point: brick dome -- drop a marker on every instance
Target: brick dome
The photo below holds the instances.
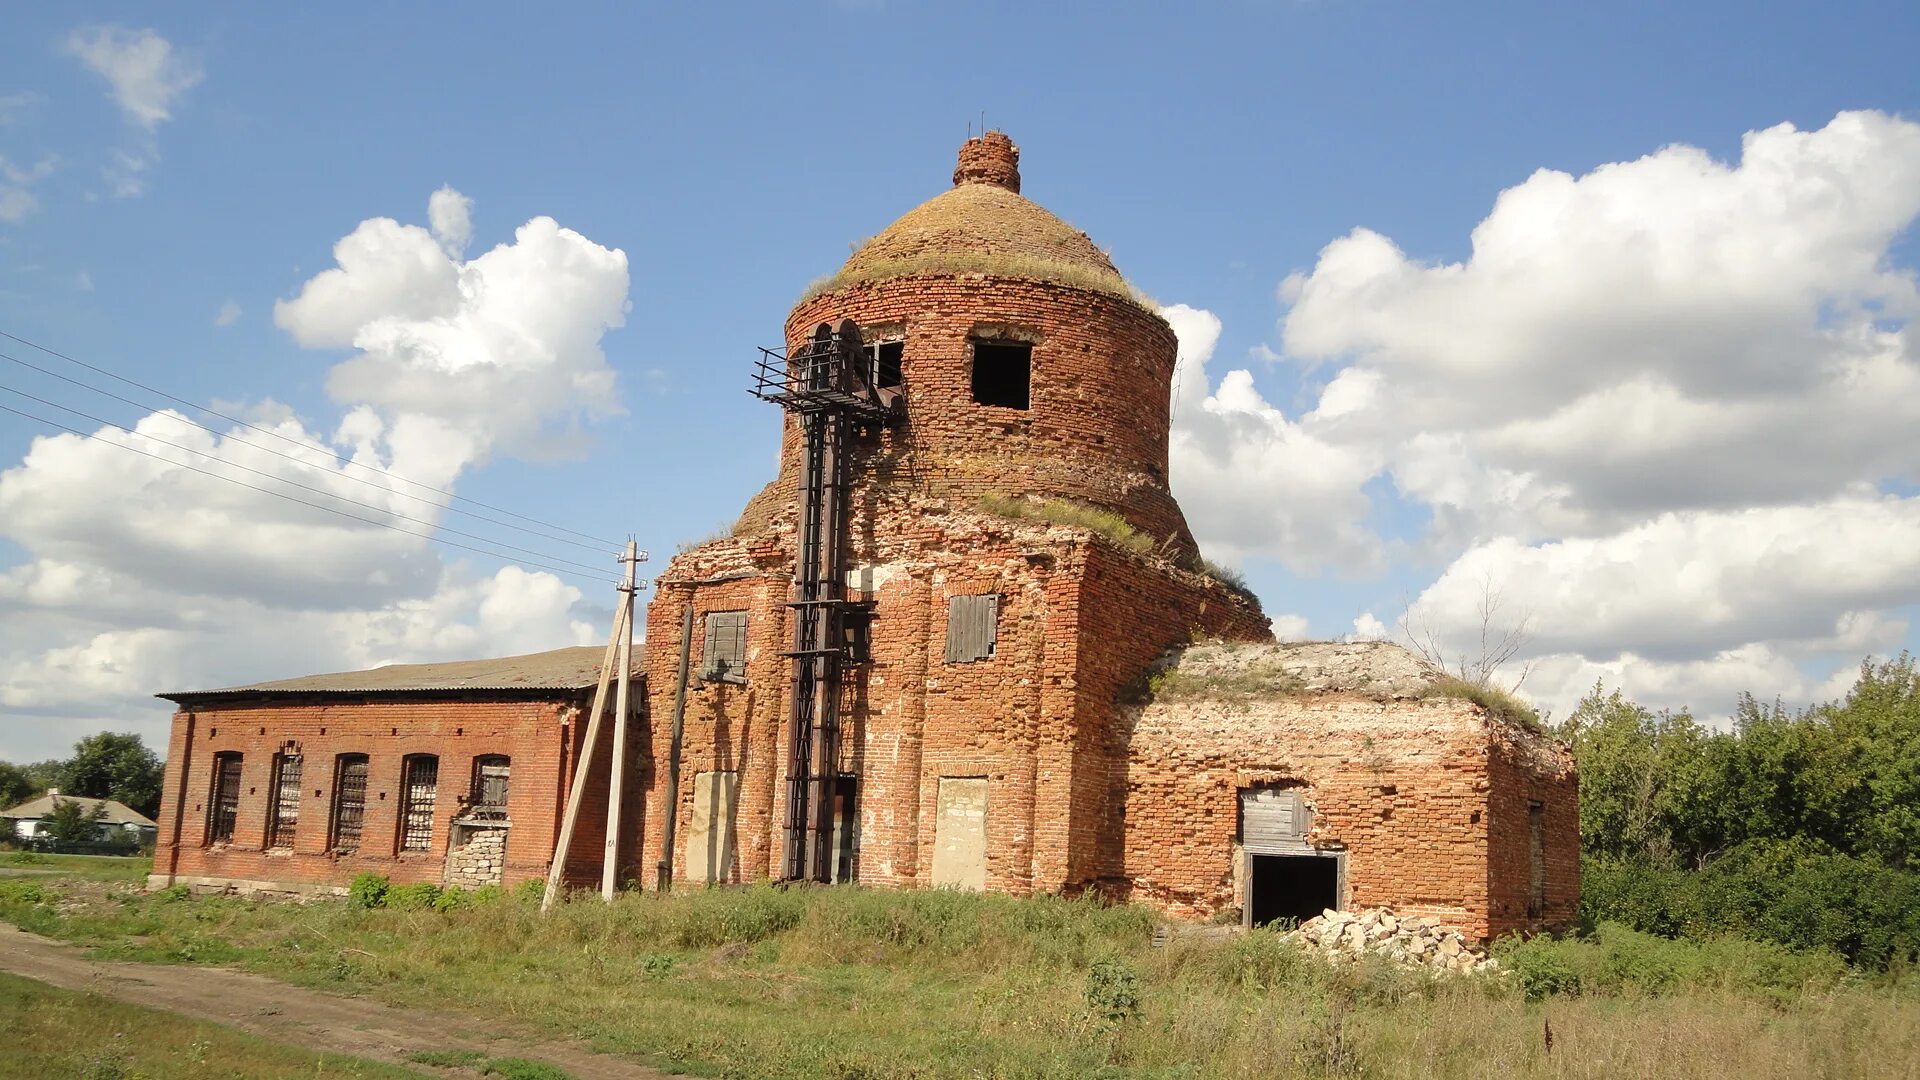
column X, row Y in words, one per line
column 982, row 225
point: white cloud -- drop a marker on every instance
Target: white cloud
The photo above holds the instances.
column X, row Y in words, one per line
column 1248, row 478
column 1366, row 627
column 1638, row 339
column 144, row 71
column 502, row 351
column 1287, row 627
column 228, row 314
column 1670, row 408
column 83, row 281
column 143, row 574
column 17, row 199
column 450, row 216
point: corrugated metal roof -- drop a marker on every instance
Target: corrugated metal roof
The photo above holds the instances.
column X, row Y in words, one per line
column 561, row 669
column 117, row 813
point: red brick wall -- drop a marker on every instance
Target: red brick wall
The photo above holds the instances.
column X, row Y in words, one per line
column 1096, row 431
column 1401, row 785
column 385, row 729
column 1032, row 719
column 1133, row 612
column 1523, row 770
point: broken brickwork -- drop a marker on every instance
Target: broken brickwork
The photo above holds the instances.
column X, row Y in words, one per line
column 1423, row 798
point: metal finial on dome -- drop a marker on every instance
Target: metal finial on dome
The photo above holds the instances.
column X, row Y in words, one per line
column 991, row 158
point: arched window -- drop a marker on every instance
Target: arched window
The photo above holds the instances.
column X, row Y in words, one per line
column 223, row 806
column 419, row 788
column 488, row 797
column 349, row 802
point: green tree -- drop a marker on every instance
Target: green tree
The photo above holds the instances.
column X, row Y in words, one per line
column 71, row 823
column 16, row 785
column 114, row 766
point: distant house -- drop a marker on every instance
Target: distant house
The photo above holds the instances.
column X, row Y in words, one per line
column 118, row 822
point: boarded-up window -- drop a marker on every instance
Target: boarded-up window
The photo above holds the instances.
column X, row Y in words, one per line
column 1537, row 859
column 349, row 802
column 724, row 653
column 1274, row 821
column 223, row 808
column 284, row 819
column 419, row 788
column 960, row 833
column 488, row 797
column 973, row 624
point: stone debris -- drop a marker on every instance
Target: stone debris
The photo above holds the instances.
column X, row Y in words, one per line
column 1416, row 941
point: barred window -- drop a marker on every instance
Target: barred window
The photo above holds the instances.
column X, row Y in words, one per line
column 283, row 823
column 223, row 809
column 1537, row 859
column 419, row 787
column 349, row 802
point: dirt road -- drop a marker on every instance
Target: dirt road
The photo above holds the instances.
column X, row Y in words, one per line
column 291, row 1014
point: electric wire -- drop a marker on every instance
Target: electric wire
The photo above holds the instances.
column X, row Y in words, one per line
column 304, row 487
column 232, row 438
column 289, row 498
column 294, row 442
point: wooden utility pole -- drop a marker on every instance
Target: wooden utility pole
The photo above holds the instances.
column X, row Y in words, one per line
column 616, row 788
column 665, row 878
column 576, row 794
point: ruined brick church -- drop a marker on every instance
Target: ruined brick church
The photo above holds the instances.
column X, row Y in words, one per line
column 954, row 643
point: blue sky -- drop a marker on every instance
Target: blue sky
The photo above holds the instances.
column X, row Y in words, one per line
column 734, row 153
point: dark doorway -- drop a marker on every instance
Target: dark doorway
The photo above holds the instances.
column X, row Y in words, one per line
column 1295, row 887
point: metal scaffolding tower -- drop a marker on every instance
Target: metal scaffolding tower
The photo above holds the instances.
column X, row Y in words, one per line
column 828, row 383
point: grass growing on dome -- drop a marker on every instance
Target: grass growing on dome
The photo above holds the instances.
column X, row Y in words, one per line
column 1064, row 512
column 951, row 264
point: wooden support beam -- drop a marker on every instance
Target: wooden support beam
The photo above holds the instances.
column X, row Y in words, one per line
column 576, row 794
column 616, row 788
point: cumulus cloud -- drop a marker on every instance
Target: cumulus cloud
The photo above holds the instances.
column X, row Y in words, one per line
column 1252, row 480
column 144, row 72
column 1638, row 339
column 160, row 570
column 1669, row 407
column 499, row 352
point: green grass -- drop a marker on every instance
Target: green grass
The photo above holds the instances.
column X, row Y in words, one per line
column 829, row 983
column 51, row 1032
column 1491, row 698
column 1259, row 679
column 511, row 1068
column 1078, row 515
column 125, row 868
column 955, row 264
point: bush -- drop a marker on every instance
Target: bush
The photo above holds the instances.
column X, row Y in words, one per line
column 415, row 897
column 369, row 891
column 1616, row 959
column 1791, row 893
column 1113, row 991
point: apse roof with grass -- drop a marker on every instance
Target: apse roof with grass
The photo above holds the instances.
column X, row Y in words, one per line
column 982, row 225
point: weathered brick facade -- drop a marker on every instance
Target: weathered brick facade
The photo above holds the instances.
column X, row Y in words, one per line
column 537, row 730
column 1038, row 757
column 1426, row 797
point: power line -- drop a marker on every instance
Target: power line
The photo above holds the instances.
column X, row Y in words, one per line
column 230, row 437
column 283, row 495
column 304, row 487
column 295, row 442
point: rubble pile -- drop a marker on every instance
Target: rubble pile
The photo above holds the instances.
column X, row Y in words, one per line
column 1414, row 940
